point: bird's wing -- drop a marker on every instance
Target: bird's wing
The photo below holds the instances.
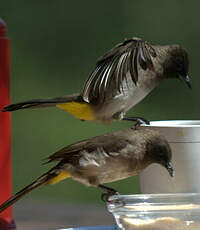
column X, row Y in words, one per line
column 109, row 143
column 112, row 68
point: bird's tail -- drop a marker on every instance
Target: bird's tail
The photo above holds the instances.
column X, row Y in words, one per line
column 39, row 103
column 51, row 177
column 73, row 104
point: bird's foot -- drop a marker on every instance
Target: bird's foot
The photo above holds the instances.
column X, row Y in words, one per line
column 108, row 192
column 139, row 121
column 105, row 196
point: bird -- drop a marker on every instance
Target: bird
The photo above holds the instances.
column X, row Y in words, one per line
column 121, row 78
column 103, row 159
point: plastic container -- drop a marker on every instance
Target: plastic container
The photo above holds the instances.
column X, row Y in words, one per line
column 184, row 139
column 156, row 211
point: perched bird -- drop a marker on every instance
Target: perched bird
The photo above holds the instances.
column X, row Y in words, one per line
column 104, row 159
column 121, row 78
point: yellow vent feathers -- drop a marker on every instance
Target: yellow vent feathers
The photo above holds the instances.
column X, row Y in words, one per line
column 79, row 110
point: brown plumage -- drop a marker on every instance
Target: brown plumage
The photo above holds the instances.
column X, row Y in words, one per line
column 104, row 159
column 121, row 78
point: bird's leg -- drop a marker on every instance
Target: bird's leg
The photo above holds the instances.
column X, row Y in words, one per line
column 139, row 121
column 108, row 192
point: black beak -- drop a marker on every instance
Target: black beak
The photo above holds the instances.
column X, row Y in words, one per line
column 170, row 169
column 186, row 79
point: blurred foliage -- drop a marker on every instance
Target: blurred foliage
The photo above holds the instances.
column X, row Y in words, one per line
column 54, row 46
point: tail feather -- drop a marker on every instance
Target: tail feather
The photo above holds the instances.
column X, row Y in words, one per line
column 38, row 103
column 40, row 181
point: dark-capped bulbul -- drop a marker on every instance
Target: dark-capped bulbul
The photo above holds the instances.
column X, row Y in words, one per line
column 103, row 159
column 121, row 78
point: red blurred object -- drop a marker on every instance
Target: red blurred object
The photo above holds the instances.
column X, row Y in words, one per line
column 6, row 219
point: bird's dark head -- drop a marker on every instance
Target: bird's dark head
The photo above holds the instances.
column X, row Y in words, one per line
column 158, row 151
column 176, row 64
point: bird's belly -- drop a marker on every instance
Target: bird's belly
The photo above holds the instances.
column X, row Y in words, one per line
column 120, row 104
column 134, row 97
column 112, row 169
column 108, row 177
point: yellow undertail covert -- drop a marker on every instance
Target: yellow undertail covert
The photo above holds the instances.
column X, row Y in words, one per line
column 61, row 176
column 79, row 110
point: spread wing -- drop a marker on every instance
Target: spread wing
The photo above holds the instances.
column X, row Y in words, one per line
column 112, row 68
column 108, row 142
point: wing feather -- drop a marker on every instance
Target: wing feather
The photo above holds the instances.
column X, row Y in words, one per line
column 108, row 142
column 107, row 78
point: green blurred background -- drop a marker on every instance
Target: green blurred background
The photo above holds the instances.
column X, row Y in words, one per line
column 54, row 47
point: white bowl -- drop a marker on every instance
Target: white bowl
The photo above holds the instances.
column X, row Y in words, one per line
column 184, row 139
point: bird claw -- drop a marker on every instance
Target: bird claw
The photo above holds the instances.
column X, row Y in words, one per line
column 142, row 121
column 119, row 202
column 105, row 196
column 139, row 121
column 108, row 192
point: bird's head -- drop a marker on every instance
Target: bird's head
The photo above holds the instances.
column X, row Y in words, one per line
column 158, row 151
column 176, row 65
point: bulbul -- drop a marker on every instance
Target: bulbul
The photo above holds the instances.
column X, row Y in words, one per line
column 121, row 78
column 103, row 159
